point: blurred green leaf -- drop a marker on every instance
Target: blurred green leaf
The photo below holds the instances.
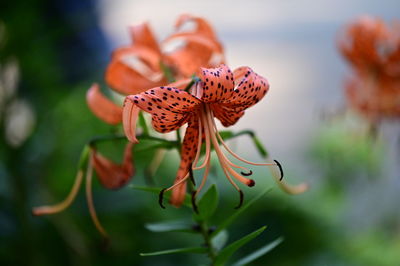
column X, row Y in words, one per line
column 156, row 190
column 207, row 204
column 219, row 241
column 177, row 250
column 259, row 252
column 227, row 252
column 170, row 226
column 226, row 222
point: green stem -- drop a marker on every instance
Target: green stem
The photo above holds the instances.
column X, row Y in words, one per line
column 260, row 147
column 168, row 73
column 205, row 232
column 96, row 140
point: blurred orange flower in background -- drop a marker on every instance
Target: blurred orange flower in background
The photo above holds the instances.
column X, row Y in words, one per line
column 147, row 63
column 373, row 50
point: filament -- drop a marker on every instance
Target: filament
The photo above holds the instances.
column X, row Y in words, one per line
column 89, row 198
column 65, row 203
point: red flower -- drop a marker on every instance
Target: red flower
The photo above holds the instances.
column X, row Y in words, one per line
column 373, row 50
column 111, row 176
column 220, row 93
column 136, row 68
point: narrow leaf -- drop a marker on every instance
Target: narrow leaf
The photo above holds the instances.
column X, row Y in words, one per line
column 207, row 204
column 259, row 252
column 227, row 252
column 170, row 226
column 177, row 250
column 156, row 190
column 226, row 222
column 226, row 134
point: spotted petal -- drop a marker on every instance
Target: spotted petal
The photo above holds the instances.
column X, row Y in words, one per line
column 217, row 84
column 170, row 109
column 188, row 153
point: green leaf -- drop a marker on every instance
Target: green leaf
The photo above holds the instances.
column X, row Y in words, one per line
column 219, row 241
column 167, row 195
column 226, row 222
column 260, row 147
column 177, row 250
column 259, row 252
column 227, row 252
column 207, row 204
column 170, row 226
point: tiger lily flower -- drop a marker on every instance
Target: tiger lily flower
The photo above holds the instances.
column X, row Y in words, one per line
column 373, row 51
column 145, row 63
column 139, row 67
column 220, row 93
column 111, row 176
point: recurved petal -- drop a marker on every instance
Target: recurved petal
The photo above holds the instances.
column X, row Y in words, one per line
column 202, row 27
column 102, row 107
column 133, row 70
column 142, row 35
column 217, row 84
column 250, row 88
column 110, row 174
column 170, row 108
column 188, row 153
column 191, row 52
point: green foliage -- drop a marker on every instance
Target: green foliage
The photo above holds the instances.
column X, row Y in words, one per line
column 227, row 252
column 207, row 204
column 177, row 250
column 258, row 253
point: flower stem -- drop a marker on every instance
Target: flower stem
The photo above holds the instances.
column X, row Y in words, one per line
column 205, row 232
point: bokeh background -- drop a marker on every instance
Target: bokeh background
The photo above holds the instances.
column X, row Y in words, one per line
column 52, row 51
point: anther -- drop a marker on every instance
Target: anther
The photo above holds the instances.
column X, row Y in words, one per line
column 240, row 200
column 251, row 183
column 280, row 169
column 247, row 174
column 161, row 198
column 191, row 175
column 194, row 205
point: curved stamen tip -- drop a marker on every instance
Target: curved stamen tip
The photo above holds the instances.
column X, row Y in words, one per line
column 280, row 169
column 161, row 198
column 194, row 205
column 247, row 174
column 240, row 200
column 251, row 183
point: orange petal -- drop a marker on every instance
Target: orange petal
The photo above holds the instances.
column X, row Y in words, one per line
column 200, row 47
column 188, row 153
column 202, row 27
column 102, row 107
column 142, row 35
column 130, row 115
column 112, row 175
column 170, row 107
column 217, row 84
column 133, row 70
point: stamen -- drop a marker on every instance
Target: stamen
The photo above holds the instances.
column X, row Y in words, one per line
column 241, row 200
column 161, row 194
column 89, row 198
column 205, row 175
column 161, row 198
column 191, row 175
column 65, row 203
column 203, row 121
column 280, row 169
column 194, row 205
column 247, row 174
